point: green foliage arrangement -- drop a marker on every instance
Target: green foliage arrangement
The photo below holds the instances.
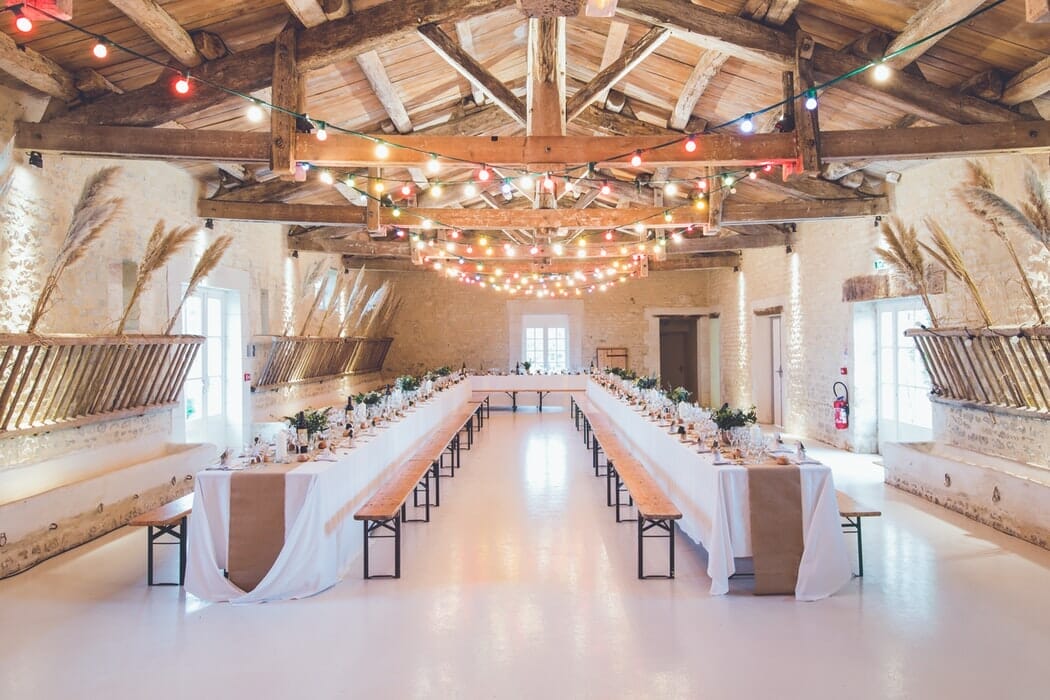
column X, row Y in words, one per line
column 442, row 371
column 369, row 399
column 623, row 373
column 647, row 382
column 407, row 382
column 726, row 418
column 679, row 394
column 316, row 421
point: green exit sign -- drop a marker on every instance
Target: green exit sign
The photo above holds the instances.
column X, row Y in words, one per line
column 880, row 264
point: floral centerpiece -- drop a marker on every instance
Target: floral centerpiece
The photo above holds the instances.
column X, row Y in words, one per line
column 646, row 383
column 679, row 395
column 727, row 418
column 371, row 398
column 407, row 383
column 316, row 421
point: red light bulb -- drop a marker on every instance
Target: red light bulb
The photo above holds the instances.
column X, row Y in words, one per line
column 182, row 85
column 606, row 189
column 483, row 174
column 636, row 159
column 23, row 23
column 690, row 144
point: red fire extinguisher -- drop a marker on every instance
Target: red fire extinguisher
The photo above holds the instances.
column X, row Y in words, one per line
column 841, row 405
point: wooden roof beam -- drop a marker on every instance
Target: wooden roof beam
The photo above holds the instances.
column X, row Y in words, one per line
column 775, row 48
column 384, row 90
column 1029, row 84
column 734, row 212
column 36, row 70
column 249, row 70
column 615, row 71
column 465, row 36
column 464, row 64
column 933, row 16
column 344, row 150
column 703, row 73
column 545, row 80
column 310, row 12
column 614, row 42
column 1037, row 10
column 771, row 12
column 162, row 28
column 287, row 93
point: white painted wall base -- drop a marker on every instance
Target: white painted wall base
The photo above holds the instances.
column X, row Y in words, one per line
column 1010, row 496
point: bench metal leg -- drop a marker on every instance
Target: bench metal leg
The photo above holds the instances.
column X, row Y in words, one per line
column 852, row 525
column 176, row 531
column 435, row 474
column 661, row 525
column 425, row 485
column 392, row 525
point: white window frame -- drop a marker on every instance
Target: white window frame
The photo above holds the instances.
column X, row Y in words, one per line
column 546, row 328
column 906, row 394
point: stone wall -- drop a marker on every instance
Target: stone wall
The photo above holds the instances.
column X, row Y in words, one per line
column 447, row 322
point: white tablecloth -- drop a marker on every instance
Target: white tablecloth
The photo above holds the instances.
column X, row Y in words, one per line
column 321, row 536
column 715, row 506
column 528, row 382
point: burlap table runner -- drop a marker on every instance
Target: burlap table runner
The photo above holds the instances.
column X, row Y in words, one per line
column 775, row 497
column 256, row 523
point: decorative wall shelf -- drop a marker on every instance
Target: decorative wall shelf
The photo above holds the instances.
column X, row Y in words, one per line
column 58, row 381
column 298, row 359
column 988, row 366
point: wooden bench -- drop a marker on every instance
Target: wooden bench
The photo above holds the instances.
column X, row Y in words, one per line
column 168, row 519
column 852, row 513
column 485, row 399
column 387, row 508
column 625, row 474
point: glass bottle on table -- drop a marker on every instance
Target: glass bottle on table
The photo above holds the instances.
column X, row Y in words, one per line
column 302, row 435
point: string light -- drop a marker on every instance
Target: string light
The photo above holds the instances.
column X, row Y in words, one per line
column 636, row 159
column 811, row 99
column 608, row 235
column 326, row 177
column 606, row 188
column 881, row 72
column 470, row 190
column 752, row 174
column 526, row 182
column 406, row 190
column 690, row 144
column 322, row 132
column 484, row 174
column 747, row 125
column 396, row 212
column 379, row 186
column 22, row 23
column 182, row 84
column 254, row 113
column 548, row 182
column 670, row 189
column 506, row 188
column 100, row 50
column 382, row 150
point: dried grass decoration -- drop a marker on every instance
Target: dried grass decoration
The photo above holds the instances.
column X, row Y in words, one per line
column 902, row 252
column 209, row 261
column 945, row 253
column 979, row 196
column 94, row 211
column 162, row 246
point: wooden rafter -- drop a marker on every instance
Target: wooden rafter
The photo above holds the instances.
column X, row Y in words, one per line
column 310, row 12
column 776, row 48
column 465, row 36
column 772, row 12
column 615, row 71
column 384, row 90
column 703, row 73
column 1029, row 84
column 162, row 28
column 446, row 47
column 933, row 16
column 734, row 212
column 35, row 70
column 249, row 70
column 614, row 42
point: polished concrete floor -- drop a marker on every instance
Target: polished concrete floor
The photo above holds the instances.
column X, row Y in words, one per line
column 523, row 586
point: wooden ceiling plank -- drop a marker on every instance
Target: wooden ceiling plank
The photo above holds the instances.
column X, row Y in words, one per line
column 933, row 16
column 446, row 47
column 287, row 93
column 705, row 70
column 162, row 28
column 251, row 69
column 713, row 149
column 466, row 41
column 309, row 12
column 734, row 212
column 545, row 80
column 384, row 90
column 615, row 71
column 1029, row 84
column 36, row 70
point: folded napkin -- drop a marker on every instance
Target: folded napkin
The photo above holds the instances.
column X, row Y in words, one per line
column 325, row 458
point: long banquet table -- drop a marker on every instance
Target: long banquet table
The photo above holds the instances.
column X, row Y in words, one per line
column 321, row 537
column 713, row 499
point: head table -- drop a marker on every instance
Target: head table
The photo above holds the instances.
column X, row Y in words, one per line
column 322, row 539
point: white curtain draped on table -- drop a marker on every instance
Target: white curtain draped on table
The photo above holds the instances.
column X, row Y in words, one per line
column 322, row 538
column 715, row 506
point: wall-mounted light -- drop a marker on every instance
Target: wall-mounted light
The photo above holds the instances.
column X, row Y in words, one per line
column 36, row 159
column 209, row 224
column 295, row 253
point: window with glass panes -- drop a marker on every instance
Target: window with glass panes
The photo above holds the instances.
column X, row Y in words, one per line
column 204, row 314
column 905, row 412
column 546, row 343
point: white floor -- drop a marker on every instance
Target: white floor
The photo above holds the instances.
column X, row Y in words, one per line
column 524, row 586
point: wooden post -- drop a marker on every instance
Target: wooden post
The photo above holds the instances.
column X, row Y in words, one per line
column 287, row 93
column 807, row 124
